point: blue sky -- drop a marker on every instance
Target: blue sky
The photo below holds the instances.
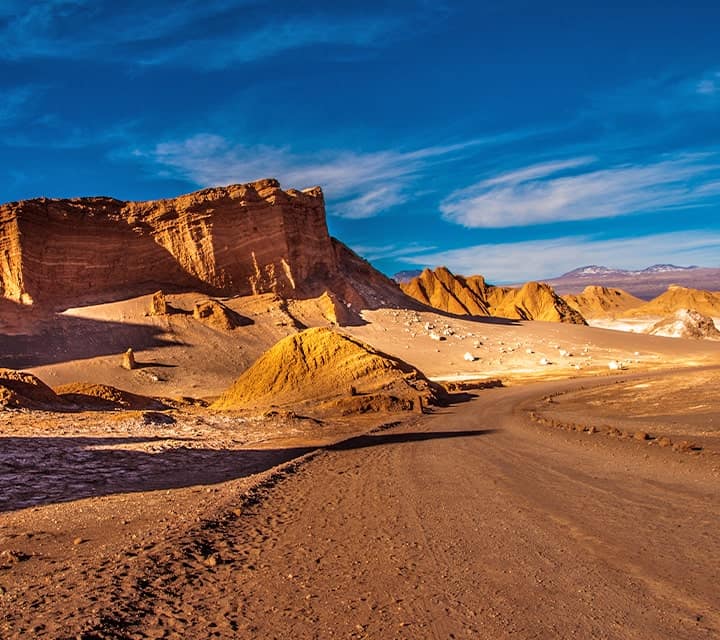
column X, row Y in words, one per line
column 513, row 139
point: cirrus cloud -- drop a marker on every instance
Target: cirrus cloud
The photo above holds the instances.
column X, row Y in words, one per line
column 357, row 184
column 562, row 191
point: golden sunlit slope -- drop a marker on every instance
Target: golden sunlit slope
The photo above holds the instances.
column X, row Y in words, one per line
column 443, row 290
column 321, row 364
column 676, row 298
column 597, row 301
column 536, row 301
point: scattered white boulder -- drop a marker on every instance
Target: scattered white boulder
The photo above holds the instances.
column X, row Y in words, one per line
column 469, row 357
column 544, row 362
column 616, row 365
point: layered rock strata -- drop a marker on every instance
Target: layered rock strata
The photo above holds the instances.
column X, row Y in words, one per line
column 238, row 240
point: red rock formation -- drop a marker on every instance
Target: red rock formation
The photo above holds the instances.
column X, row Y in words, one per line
column 237, row 240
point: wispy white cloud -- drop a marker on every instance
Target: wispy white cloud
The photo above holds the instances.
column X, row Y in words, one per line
column 537, row 171
column 710, row 85
column 560, row 191
column 357, row 185
column 206, row 34
column 539, row 259
column 13, row 103
column 272, row 39
column 389, row 251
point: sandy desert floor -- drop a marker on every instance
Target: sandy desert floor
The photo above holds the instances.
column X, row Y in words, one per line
column 475, row 521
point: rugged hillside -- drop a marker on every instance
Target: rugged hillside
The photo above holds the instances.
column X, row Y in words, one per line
column 461, row 295
column 536, row 301
column 237, row 240
column 320, row 364
column 442, row 289
column 677, row 298
column 596, row 301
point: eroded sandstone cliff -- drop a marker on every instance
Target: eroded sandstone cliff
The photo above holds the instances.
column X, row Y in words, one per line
column 237, row 240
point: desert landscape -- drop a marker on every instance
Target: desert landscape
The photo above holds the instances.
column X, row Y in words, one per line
column 234, row 426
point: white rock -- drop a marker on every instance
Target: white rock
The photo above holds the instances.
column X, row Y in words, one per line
column 615, row 365
column 544, row 361
column 469, row 357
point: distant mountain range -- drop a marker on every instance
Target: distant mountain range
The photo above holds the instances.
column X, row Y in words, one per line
column 643, row 283
column 595, row 270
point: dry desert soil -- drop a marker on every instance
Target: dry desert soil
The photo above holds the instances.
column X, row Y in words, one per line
column 549, row 507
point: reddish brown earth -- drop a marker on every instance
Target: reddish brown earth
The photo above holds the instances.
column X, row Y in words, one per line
column 474, row 522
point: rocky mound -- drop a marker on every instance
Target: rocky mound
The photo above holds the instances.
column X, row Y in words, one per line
column 322, row 365
column 216, row 315
column 20, row 390
column 327, row 308
column 242, row 239
column 686, row 323
column 596, row 301
column 105, row 398
column 443, row 290
column 677, row 298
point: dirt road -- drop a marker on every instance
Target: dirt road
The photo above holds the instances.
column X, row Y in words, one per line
column 470, row 523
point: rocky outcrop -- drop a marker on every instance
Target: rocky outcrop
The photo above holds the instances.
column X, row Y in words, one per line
column 596, row 301
column 128, row 360
column 20, row 390
column 536, row 301
column 686, row 323
column 237, row 240
column 215, row 314
column 158, row 304
column 443, row 290
column 102, row 397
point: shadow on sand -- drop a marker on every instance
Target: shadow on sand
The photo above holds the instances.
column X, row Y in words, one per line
column 64, row 338
column 39, row 471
